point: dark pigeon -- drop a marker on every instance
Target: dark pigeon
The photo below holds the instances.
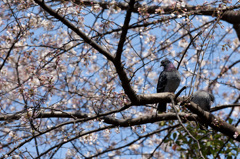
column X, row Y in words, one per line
column 168, row 81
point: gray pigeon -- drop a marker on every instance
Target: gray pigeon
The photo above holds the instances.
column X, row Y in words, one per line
column 203, row 99
column 168, row 81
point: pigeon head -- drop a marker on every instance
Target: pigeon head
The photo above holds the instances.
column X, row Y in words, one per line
column 168, row 65
column 165, row 62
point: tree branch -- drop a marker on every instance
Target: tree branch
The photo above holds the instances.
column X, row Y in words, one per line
column 119, row 68
column 219, row 107
column 148, row 119
column 125, row 81
column 124, row 31
column 155, row 98
column 227, row 14
column 76, row 30
column 215, row 122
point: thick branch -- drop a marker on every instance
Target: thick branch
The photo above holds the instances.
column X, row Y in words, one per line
column 148, row 119
column 156, row 98
column 228, row 15
column 237, row 29
column 126, row 83
column 231, row 16
column 124, row 30
column 215, row 122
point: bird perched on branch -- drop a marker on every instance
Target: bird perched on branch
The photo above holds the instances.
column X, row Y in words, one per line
column 204, row 100
column 168, row 81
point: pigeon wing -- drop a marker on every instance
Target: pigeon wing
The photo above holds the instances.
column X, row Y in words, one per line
column 162, row 82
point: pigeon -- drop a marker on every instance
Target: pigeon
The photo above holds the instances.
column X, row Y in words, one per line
column 168, row 81
column 204, row 100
